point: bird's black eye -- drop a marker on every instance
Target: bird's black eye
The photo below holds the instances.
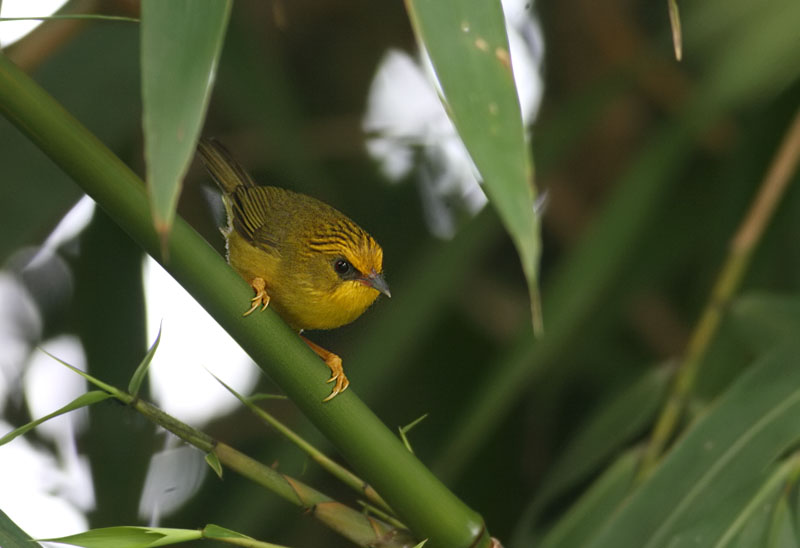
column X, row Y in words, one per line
column 342, row 267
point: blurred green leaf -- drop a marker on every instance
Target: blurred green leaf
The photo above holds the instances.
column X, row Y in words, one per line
column 141, row 371
column 468, row 46
column 782, row 533
column 180, row 46
column 81, row 401
column 581, row 522
column 754, row 530
column 764, row 320
column 615, row 423
column 750, row 527
column 11, row 536
column 744, row 48
column 128, row 537
column 714, row 471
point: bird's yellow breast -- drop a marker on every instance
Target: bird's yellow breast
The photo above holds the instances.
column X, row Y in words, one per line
column 300, row 296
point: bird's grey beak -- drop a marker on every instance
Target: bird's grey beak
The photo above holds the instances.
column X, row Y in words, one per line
column 378, row 282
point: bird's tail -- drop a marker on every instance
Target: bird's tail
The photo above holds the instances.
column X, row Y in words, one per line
column 225, row 171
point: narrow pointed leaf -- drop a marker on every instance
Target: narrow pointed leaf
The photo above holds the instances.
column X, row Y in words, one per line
column 97, row 382
column 141, row 372
column 407, row 428
column 213, row 461
column 128, row 537
column 11, row 536
column 468, row 46
column 217, row 532
column 81, row 401
column 227, row 536
column 180, row 45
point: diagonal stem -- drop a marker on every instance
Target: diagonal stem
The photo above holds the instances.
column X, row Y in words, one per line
column 420, row 499
column 744, row 242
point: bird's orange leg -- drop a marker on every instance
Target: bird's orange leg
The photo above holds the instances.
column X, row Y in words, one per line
column 261, row 299
column 333, row 362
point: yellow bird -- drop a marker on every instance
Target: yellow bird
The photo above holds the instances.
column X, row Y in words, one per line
column 310, row 262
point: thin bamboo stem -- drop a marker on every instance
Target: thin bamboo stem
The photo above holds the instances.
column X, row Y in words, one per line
column 744, row 242
column 334, row 468
column 350, row 523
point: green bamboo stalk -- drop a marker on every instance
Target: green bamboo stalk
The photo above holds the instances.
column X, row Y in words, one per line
column 421, row 500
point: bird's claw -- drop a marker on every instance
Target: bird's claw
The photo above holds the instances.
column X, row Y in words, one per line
column 334, row 363
column 261, row 299
column 337, row 376
column 341, row 385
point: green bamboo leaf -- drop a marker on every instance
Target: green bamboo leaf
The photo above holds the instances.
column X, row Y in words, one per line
column 750, row 527
column 764, row 320
column 753, row 530
column 719, row 465
column 128, row 537
column 81, row 401
column 213, row 461
column 581, row 522
column 222, row 534
column 180, row 45
column 619, row 420
column 141, row 372
column 782, row 533
column 614, row 424
column 11, row 536
column 217, row 532
column 97, row 382
column 468, row 46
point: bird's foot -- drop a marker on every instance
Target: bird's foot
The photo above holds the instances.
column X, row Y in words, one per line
column 334, row 363
column 338, row 377
column 261, row 299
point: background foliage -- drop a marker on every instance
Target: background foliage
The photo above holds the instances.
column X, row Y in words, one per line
column 650, row 167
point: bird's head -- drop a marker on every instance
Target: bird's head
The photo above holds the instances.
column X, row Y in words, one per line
column 346, row 271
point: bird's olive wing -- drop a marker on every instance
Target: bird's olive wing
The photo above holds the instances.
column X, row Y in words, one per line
column 253, row 216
